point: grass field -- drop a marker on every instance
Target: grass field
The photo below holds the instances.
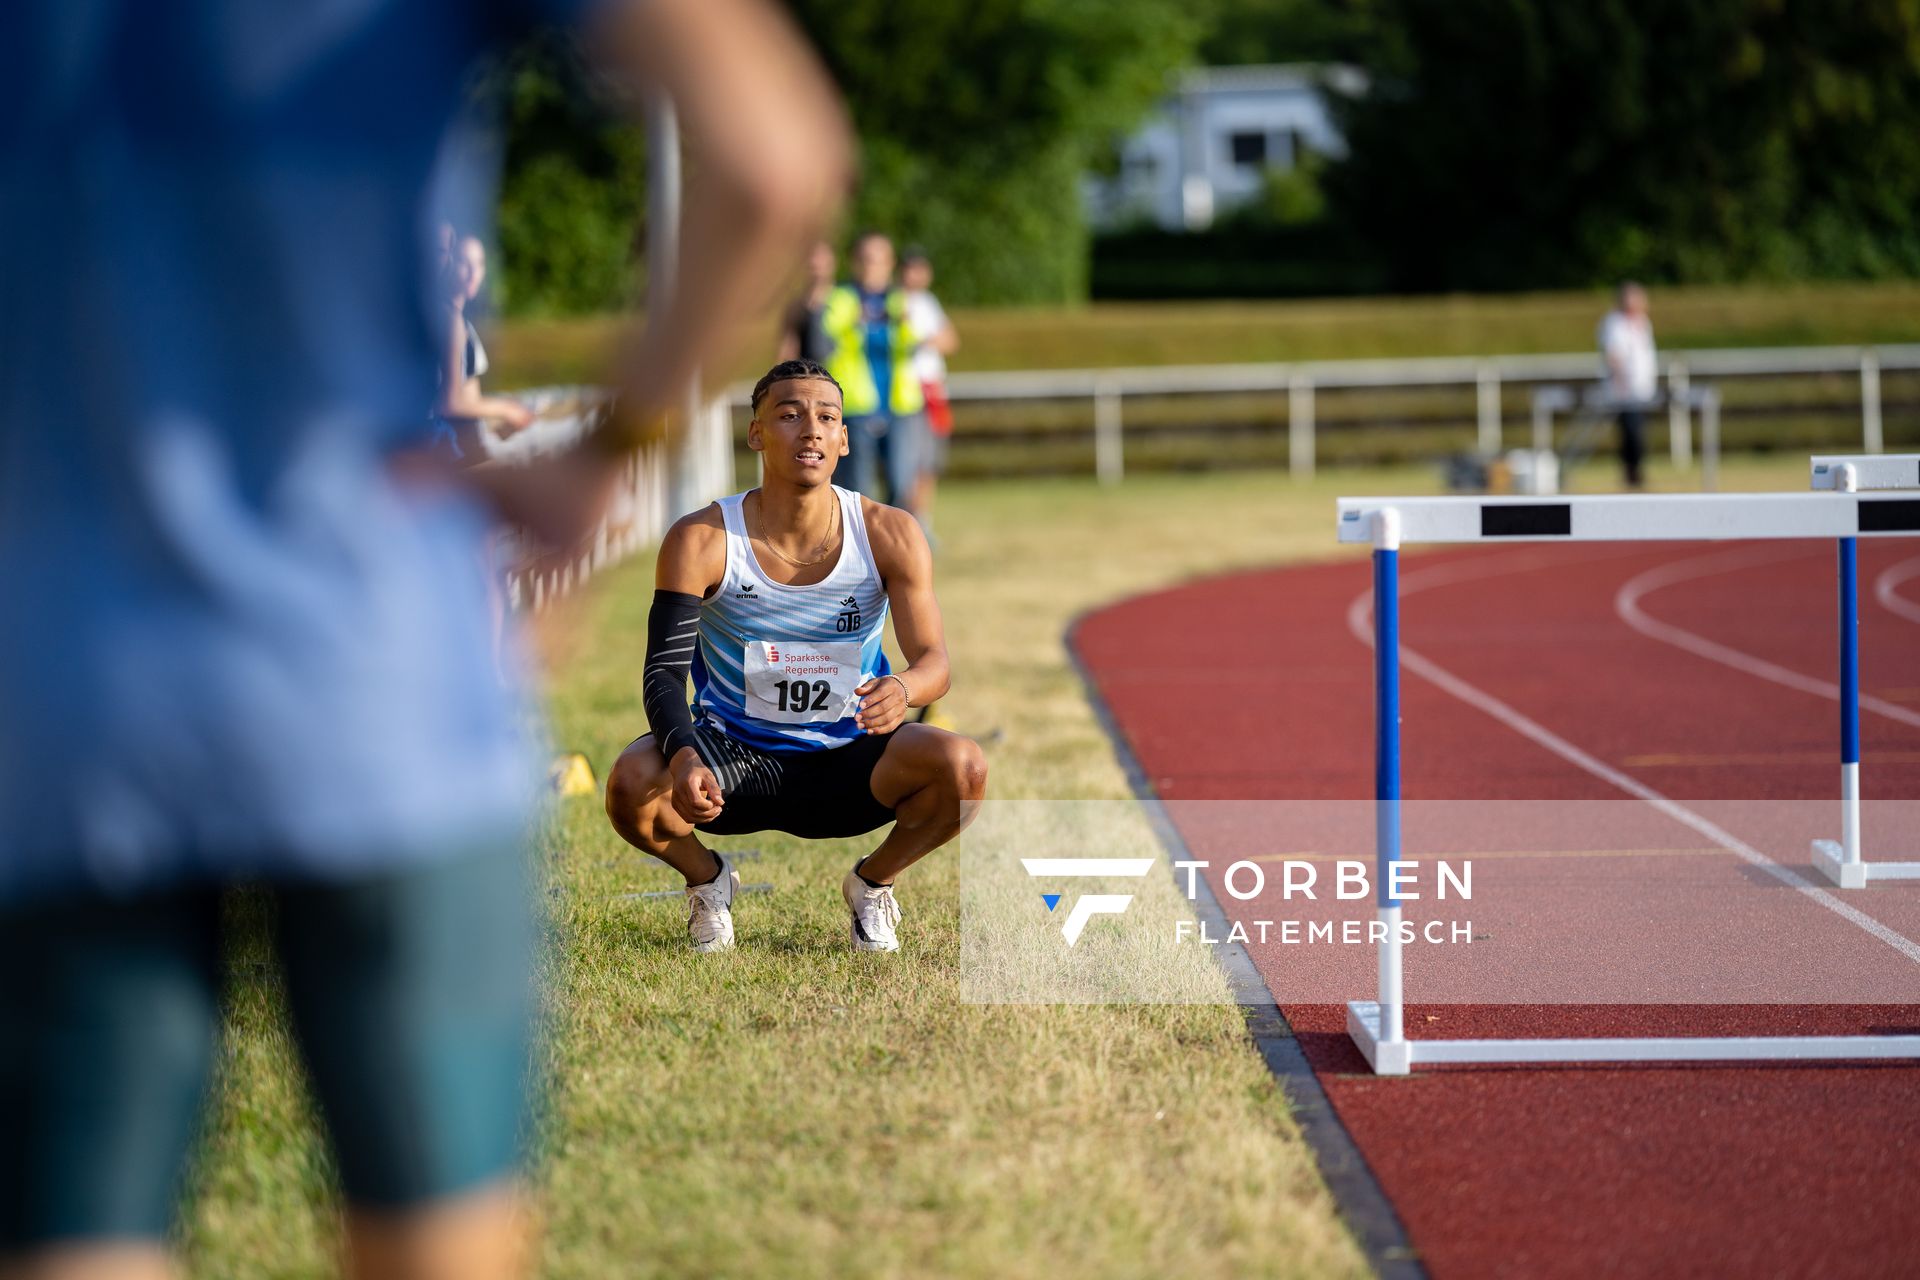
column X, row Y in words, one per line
column 1116, row 335
column 793, row 1109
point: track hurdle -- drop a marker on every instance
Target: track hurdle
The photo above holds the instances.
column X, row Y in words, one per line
column 1839, row 860
column 1872, row 471
column 1378, row 1026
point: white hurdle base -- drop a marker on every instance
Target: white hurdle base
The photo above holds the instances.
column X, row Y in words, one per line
column 1397, row 1058
column 1830, row 862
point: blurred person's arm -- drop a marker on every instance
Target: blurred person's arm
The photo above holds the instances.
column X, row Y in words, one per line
column 946, row 339
column 460, row 395
column 1613, row 349
column 769, row 158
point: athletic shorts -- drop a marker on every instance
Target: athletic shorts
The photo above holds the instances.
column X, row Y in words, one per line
column 816, row 795
column 410, row 994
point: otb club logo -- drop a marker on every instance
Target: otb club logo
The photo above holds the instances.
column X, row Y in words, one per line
column 849, row 619
column 1088, row 905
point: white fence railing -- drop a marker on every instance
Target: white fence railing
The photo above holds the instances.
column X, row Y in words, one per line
column 1108, row 388
column 659, row 483
column 1588, row 406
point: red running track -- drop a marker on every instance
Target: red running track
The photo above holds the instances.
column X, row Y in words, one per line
column 1255, row 686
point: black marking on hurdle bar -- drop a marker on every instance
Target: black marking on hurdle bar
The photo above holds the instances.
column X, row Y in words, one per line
column 1526, row 520
column 1890, row 515
column 1356, row 1192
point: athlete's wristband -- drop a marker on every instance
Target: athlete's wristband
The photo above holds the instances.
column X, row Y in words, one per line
column 906, row 694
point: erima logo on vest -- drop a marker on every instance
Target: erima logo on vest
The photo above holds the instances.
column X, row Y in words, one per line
column 745, row 592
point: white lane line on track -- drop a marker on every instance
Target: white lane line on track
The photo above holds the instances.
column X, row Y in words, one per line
column 1626, row 603
column 1884, row 590
column 1360, row 623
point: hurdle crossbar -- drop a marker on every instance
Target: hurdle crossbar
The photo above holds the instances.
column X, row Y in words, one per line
column 1870, row 471
column 1363, row 1020
column 1649, row 517
column 1839, row 860
column 1378, row 1027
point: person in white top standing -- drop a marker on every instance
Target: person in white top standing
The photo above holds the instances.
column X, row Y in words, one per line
column 926, row 316
column 1631, row 372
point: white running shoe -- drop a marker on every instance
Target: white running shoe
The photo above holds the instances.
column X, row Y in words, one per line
column 710, row 910
column 875, row 913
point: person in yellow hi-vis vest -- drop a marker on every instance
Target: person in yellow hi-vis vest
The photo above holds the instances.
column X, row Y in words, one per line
column 872, row 359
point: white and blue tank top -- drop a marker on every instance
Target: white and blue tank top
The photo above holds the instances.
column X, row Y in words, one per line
column 776, row 665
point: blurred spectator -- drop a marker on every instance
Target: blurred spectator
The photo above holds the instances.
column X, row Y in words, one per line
column 460, row 413
column 938, row 340
column 1632, row 373
column 801, row 337
column 873, row 344
column 242, row 640
column 462, row 407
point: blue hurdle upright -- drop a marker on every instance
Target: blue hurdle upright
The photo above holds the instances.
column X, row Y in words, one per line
column 1840, row 861
column 1378, row 1027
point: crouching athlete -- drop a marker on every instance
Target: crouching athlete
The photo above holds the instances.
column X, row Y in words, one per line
column 776, row 599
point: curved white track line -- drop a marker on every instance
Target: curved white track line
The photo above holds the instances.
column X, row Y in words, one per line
column 1360, row 623
column 1884, row 590
column 1626, row 603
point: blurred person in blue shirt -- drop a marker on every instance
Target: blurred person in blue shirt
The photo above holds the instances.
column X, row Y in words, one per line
column 245, row 633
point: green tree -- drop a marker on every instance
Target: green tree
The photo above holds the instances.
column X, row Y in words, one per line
column 572, row 213
column 1242, row 32
column 1530, row 143
column 977, row 121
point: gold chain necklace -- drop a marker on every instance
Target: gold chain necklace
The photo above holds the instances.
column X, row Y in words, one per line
column 820, row 552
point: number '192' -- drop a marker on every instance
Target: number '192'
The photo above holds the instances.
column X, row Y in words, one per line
column 799, row 695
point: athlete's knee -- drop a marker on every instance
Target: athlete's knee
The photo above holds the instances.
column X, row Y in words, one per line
column 959, row 767
column 637, row 786
column 966, row 767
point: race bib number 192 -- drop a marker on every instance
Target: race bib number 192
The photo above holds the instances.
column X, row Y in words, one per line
column 802, row 683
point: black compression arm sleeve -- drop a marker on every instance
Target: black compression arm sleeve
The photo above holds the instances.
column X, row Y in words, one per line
column 671, row 626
